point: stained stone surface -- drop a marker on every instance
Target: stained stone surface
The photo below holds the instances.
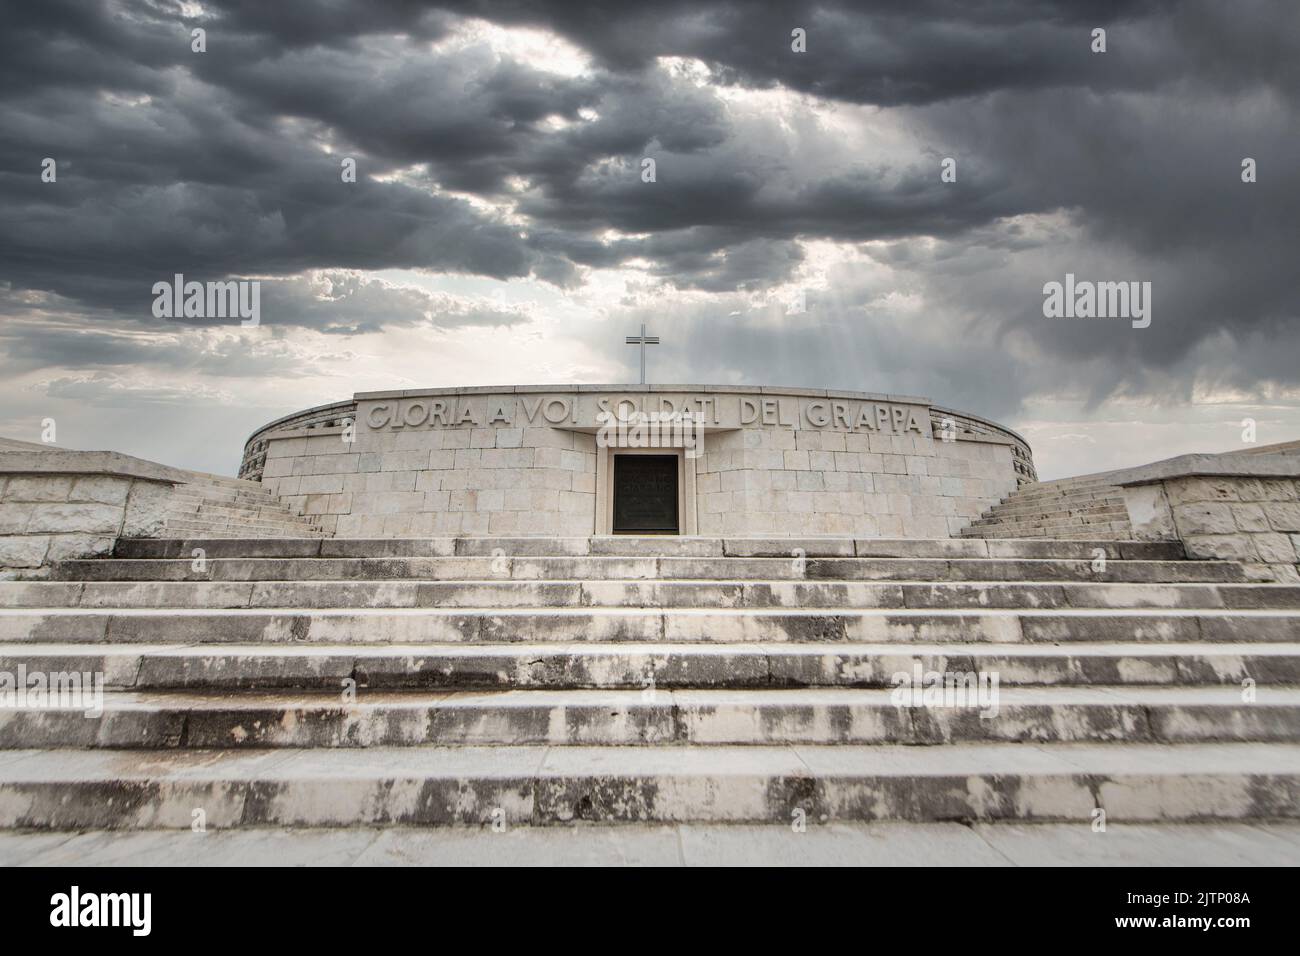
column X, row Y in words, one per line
column 890, row 844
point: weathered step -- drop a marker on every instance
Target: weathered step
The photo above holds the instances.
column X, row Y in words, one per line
column 270, row 532
column 1055, row 532
column 163, row 721
column 1063, row 507
column 643, row 568
column 1049, row 498
column 1065, row 487
column 496, row 625
column 629, row 546
column 642, row 665
column 644, row 594
column 1052, row 519
column 265, row 511
column 1110, row 521
column 236, row 504
column 1084, row 531
column 267, row 531
column 74, row 789
column 218, row 494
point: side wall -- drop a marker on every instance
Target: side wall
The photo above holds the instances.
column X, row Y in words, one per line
column 1253, row 520
column 48, row 517
column 800, row 482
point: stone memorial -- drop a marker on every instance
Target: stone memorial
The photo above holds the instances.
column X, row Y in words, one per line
column 538, row 460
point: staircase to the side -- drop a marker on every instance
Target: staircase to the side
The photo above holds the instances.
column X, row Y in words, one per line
column 1069, row 509
column 218, row 507
column 488, row 681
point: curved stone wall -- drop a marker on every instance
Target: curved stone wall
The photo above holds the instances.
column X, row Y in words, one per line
column 525, row 460
column 251, row 465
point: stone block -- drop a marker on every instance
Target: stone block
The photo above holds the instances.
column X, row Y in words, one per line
column 1228, row 547
column 278, row 468
column 1249, row 517
column 320, row 484
column 64, row 547
column 101, row 489
column 1275, row 548
column 67, row 518
column 285, row 448
column 414, row 460
column 14, row 516
column 1204, row 517
column 1192, row 490
column 38, row 488
column 1283, row 516
column 25, row 551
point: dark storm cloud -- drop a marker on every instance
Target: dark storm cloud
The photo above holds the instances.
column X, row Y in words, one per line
column 214, row 164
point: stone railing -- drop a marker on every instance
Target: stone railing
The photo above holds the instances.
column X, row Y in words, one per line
column 57, row 504
column 1242, row 507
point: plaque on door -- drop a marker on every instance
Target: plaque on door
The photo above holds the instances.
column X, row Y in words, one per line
column 645, row 494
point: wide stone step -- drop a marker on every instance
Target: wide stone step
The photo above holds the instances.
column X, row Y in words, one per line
column 539, row 785
column 632, row 568
column 629, row 546
column 1054, row 531
column 1010, row 508
column 1041, row 501
column 558, row 665
column 239, row 530
column 233, row 531
column 164, row 721
column 1091, row 534
column 1034, row 492
column 1117, row 530
column 223, row 493
column 253, row 519
column 781, row 625
column 643, row 594
column 206, row 512
column 262, row 511
column 1041, row 519
column 241, row 505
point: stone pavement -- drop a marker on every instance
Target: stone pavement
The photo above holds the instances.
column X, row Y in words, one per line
column 882, row 844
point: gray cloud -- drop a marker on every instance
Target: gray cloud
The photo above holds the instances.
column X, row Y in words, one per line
column 478, row 163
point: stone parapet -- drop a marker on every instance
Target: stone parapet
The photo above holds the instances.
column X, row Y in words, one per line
column 57, row 504
column 1243, row 506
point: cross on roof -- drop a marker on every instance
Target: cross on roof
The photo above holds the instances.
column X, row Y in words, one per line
column 643, row 340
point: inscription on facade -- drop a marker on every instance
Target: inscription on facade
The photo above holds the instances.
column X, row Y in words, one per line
column 594, row 411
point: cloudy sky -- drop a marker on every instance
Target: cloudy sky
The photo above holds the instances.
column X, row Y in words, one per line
column 500, row 230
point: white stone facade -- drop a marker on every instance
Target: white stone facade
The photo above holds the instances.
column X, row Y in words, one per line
column 536, row 461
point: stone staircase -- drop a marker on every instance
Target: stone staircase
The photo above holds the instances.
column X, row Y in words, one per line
column 214, row 506
column 1068, row 509
column 490, row 681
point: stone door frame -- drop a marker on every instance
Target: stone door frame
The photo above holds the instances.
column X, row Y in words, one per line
column 686, row 499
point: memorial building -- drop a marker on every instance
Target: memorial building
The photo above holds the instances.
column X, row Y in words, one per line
column 637, row 459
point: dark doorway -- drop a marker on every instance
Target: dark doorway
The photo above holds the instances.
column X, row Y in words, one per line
column 645, row 494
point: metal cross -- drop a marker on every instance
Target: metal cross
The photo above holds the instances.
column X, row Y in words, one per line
column 643, row 340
